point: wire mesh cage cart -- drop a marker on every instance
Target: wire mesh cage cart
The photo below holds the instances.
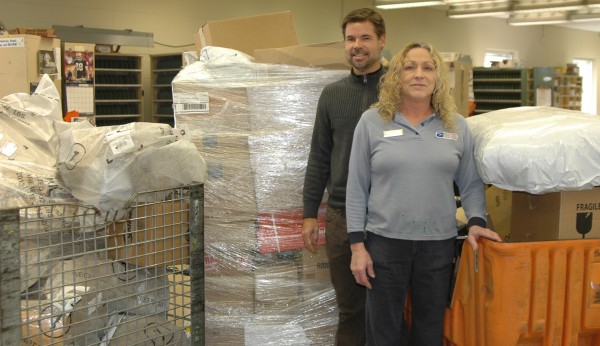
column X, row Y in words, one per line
column 70, row 277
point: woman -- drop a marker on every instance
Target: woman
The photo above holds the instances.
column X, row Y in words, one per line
column 407, row 151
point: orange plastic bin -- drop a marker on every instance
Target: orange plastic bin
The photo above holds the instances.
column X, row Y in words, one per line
column 534, row 293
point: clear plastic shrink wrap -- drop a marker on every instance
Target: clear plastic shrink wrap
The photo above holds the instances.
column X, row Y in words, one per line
column 537, row 149
column 253, row 124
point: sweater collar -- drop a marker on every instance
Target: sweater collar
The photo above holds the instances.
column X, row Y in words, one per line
column 369, row 77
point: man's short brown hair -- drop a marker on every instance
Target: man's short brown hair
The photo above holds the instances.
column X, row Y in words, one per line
column 363, row 15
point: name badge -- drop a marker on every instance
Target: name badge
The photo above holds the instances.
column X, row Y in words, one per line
column 393, row 133
column 446, row 135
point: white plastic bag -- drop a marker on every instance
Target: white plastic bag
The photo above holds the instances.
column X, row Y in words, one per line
column 537, row 149
column 106, row 166
column 28, row 148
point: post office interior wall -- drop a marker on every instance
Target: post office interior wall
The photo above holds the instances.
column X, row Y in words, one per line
column 174, row 22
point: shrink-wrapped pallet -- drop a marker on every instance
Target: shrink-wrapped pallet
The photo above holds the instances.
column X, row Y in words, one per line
column 253, row 125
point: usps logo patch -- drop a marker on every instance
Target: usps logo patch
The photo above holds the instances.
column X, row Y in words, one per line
column 446, row 135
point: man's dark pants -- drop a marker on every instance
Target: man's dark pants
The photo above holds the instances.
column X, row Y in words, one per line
column 350, row 296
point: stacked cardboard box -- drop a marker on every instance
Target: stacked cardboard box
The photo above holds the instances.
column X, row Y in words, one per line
column 246, row 34
column 499, row 207
column 556, row 216
column 567, row 215
column 330, row 55
column 254, row 140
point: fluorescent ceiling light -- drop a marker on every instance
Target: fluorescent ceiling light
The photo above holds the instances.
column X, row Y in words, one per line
column 388, row 5
column 538, row 18
column 458, row 14
column 540, row 22
column 527, row 12
column 593, row 3
column 479, row 10
column 590, row 15
column 529, row 6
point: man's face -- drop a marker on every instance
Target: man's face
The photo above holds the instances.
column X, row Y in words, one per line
column 363, row 47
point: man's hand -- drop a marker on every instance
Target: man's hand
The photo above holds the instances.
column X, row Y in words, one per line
column 477, row 231
column 361, row 265
column 310, row 233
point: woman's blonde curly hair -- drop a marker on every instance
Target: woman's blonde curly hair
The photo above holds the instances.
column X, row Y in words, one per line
column 390, row 87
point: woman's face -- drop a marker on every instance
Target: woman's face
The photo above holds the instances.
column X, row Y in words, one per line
column 418, row 75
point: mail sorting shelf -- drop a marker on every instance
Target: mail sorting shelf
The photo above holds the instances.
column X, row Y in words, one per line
column 71, row 277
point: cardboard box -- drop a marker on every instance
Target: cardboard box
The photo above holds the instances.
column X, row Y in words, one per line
column 214, row 110
column 276, row 287
column 330, row 55
column 282, row 231
column 180, row 299
column 228, row 330
column 241, row 221
column 249, row 33
column 155, row 234
column 229, row 258
column 33, row 31
column 315, row 267
column 124, row 329
column 43, row 323
column 499, row 208
column 229, row 294
column 89, row 315
column 556, row 216
column 276, row 328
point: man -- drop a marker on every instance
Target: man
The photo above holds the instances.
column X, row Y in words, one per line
column 82, row 68
column 339, row 108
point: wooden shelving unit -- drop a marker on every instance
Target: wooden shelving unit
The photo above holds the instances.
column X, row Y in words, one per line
column 567, row 91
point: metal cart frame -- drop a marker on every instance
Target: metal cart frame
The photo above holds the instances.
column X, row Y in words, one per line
column 52, row 218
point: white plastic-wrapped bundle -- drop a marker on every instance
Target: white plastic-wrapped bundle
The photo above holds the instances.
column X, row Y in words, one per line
column 106, row 166
column 28, row 148
column 537, row 149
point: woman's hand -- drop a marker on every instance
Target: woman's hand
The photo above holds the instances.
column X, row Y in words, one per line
column 475, row 232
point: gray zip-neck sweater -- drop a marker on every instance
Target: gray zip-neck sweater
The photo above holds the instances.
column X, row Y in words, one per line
column 401, row 178
column 339, row 108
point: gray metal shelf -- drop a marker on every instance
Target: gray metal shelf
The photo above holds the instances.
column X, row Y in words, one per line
column 498, row 88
